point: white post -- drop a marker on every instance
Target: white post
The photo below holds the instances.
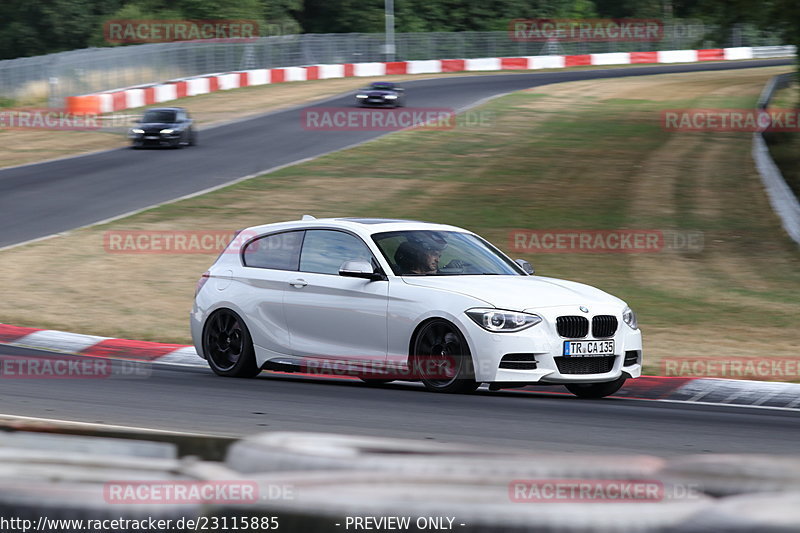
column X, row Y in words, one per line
column 388, row 48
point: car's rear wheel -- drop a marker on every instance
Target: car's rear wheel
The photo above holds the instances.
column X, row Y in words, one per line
column 441, row 358
column 228, row 346
column 595, row 390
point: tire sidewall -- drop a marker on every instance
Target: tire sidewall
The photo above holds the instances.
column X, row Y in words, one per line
column 464, row 380
column 246, row 364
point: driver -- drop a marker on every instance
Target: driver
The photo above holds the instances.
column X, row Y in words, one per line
column 415, row 257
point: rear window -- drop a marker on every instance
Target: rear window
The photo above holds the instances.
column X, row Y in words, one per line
column 279, row 251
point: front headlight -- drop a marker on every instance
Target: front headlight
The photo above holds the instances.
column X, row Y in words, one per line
column 498, row 320
column 361, row 96
column 629, row 317
column 137, row 131
column 167, row 131
column 391, row 97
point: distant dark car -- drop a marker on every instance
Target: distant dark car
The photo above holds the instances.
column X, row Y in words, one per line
column 164, row 126
column 380, row 94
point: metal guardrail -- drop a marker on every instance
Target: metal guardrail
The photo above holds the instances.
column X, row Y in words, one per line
column 99, row 69
column 781, row 197
column 774, row 51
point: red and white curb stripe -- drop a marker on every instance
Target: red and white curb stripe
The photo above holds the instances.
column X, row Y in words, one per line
column 681, row 389
column 119, row 99
column 104, row 347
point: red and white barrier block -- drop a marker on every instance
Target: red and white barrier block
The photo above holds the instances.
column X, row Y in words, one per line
column 117, row 100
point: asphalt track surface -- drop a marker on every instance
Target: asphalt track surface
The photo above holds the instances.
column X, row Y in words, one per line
column 46, row 198
column 196, row 400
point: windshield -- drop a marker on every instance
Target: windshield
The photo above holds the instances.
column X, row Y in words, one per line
column 159, row 116
column 382, row 87
column 441, row 253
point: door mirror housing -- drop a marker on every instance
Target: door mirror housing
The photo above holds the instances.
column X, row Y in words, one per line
column 526, row 266
column 359, row 269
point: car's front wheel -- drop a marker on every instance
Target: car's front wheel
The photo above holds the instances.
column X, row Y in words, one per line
column 596, row 390
column 228, row 346
column 441, row 358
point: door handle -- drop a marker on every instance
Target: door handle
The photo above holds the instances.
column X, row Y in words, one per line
column 298, row 283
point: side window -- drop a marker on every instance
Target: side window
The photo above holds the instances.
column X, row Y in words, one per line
column 324, row 251
column 280, row 251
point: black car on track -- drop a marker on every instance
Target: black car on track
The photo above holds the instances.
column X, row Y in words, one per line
column 381, row 94
column 164, row 126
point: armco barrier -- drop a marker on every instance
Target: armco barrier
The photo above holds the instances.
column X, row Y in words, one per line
column 326, row 502
column 728, row 475
column 133, row 97
column 299, row 452
column 348, row 483
column 783, row 200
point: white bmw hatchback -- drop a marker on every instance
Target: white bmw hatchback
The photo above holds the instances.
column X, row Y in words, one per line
column 395, row 299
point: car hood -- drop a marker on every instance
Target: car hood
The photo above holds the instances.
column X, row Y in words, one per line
column 379, row 93
column 518, row 293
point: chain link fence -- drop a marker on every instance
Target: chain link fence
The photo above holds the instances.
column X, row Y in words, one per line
column 52, row 77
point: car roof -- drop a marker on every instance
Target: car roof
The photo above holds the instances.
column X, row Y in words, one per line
column 166, row 109
column 362, row 226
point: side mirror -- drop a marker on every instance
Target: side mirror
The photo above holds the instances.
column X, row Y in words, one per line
column 359, row 269
column 527, row 267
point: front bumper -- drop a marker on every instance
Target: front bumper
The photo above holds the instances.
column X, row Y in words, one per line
column 155, row 139
column 542, row 347
column 368, row 102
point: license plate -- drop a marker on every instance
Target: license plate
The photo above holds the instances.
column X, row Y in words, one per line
column 152, row 137
column 588, row 348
